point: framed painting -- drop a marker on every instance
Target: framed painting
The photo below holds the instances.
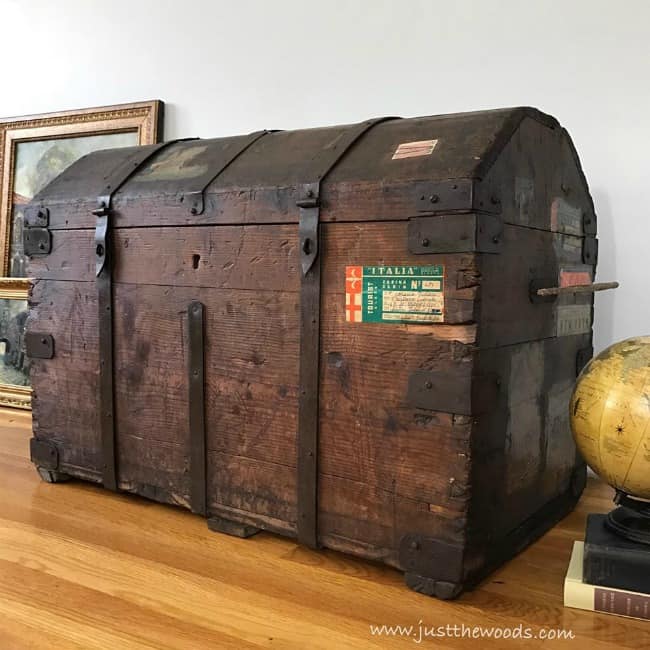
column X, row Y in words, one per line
column 34, row 149
column 14, row 364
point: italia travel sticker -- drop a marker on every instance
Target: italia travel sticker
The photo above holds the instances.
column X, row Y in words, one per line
column 394, row 294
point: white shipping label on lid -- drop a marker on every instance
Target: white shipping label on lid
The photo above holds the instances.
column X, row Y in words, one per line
column 414, row 149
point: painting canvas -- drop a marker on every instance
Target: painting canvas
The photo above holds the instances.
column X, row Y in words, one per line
column 14, row 368
column 34, row 150
column 14, row 364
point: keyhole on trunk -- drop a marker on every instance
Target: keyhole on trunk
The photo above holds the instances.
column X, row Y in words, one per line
column 195, row 261
column 306, row 246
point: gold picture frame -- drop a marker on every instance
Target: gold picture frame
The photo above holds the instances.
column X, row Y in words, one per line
column 34, row 149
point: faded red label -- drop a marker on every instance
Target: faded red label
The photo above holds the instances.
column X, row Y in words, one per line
column 353, row 294
column 415, row 149
column 574, row 278
column 565, row 218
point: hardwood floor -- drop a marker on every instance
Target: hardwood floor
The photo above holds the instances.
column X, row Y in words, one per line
column 83, row 568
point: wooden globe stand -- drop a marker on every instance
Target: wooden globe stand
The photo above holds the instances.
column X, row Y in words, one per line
column 631, row 519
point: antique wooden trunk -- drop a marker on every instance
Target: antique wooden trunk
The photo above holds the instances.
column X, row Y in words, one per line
column 332, row 334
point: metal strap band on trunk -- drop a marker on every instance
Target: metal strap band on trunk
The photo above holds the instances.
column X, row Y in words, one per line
column 195, row 195
column 309, row 230
column 103, row 272
column 196, row 365
column 194, row 198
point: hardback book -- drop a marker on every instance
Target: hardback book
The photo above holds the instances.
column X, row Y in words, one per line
column 612, row 561
column 582, row 595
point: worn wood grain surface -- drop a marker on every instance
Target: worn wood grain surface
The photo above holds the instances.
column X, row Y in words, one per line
column 84, row 569
column 384, row 467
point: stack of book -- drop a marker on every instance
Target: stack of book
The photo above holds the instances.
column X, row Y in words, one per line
column 608, row 573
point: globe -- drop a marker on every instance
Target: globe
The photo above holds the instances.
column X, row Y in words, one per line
column 610, row 415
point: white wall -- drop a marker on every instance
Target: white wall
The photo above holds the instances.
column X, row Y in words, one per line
column 232, row 67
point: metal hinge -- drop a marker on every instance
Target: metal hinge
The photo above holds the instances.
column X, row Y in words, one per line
column 454, row 195
column 37, row 239
column 590, row 251
column 446, row 390
column 39, row 345
column 588, row 223
column 37, row 216
column 455, row 233
column 308, row 230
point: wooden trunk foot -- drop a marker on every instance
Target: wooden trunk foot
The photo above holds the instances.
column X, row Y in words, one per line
column 52, row 475
column 221, row 525
column 430, row 587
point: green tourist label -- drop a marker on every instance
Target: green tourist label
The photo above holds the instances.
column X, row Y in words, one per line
column 394, row 294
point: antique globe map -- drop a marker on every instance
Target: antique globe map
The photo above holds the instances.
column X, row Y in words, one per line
column 610, row 415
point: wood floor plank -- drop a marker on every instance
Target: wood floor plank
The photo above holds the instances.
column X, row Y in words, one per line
column 81, row 568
